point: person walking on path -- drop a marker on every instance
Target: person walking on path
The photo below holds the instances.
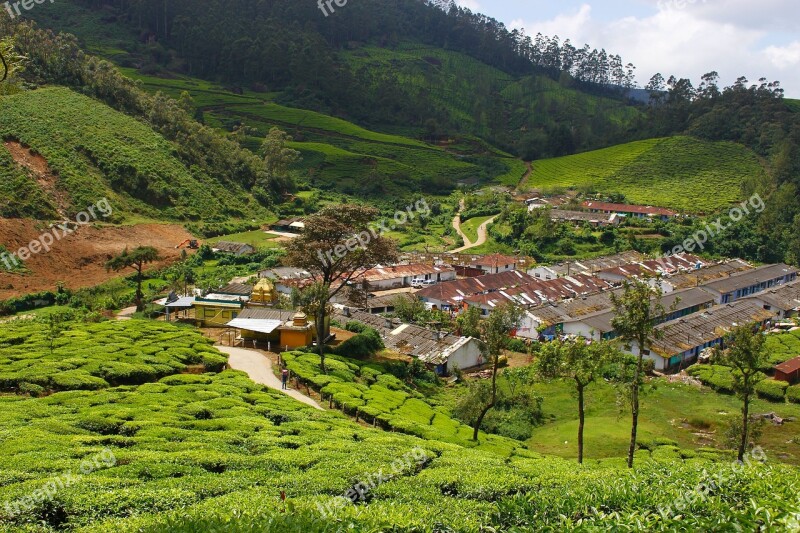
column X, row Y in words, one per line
column 284, row 378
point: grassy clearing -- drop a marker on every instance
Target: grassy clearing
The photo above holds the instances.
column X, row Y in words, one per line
column 693, row 418
column 470, row 227
column 257, row 239
column 674, row 172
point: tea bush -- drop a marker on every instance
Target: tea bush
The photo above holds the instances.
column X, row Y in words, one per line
column 99, row 355
column 772, row 390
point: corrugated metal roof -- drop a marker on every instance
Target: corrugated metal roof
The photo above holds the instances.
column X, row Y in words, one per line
column 251, row 324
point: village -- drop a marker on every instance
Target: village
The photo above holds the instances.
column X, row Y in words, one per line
column 704, row 299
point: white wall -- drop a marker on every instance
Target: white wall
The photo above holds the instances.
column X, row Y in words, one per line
column 467, row 356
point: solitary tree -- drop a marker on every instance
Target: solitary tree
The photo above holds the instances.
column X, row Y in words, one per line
column 580, row 362
column 337, row 246
column 136, row 260
column 637, row 310
column 494, row 333
column 746, row 356
column 278, row 157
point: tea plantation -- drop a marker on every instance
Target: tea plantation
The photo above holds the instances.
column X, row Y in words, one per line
column 98, row 152
column 676, row 172
column 96, row 356
column 214, row 452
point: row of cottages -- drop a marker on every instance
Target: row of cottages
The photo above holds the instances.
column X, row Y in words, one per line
column 598, row 220
column 591, row 316
column 449, row 296
column 442, row 352
column 681, row 341
column 677, row 305
column 472, row 265
column 662, row 268
column 626, row 210
column 537, row 292
column 783, row 300
column 383, row 278
column 743, row 284
column 587, row 266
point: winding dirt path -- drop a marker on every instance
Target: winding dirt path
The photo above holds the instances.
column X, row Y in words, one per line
column 483, row 233
column 259, row 368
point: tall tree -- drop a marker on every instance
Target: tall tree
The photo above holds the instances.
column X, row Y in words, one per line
column 636, row 311
column 278, row 157
column 337, row 246
column 137, row 259
column 746, row 356
column 494, row 333
column 580, row 362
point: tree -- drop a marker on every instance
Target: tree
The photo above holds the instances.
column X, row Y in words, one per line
column 494, row 332
column 337, row 246
column 136, row 260
column 55, row 324
column 580, row 362
column 12, row 65
column 636, row 311
column 746, row 356
column 469, row 322
column 277, row 156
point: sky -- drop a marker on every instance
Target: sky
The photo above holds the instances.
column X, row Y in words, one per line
column 687, row 38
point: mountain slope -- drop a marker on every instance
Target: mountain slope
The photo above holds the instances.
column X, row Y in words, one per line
column 98, row 152
column 676, row 172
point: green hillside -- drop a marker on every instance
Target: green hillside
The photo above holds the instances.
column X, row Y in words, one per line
column 215, row 451
column 98, row 152
column 677, row 172
column 340, row 155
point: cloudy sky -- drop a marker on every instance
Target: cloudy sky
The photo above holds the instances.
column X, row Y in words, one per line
column 683, row 37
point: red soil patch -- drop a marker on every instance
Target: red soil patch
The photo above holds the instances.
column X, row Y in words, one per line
column 79, row 258
column 40, row 169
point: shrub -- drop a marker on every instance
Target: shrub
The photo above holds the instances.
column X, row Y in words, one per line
column 516, row 345
column 363, row 345
column 772, row 390
column 793, row 394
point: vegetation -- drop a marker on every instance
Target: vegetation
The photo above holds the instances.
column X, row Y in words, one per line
column 578, row 361
column 60, row 353
column 744, row 354
column 136, row 259
column 675, row 172
column 636, row 312
column 337, row 246
column 96, row 153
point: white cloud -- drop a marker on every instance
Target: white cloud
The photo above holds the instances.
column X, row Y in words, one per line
column 784, row 57
column 684, row 38
column 472, row 5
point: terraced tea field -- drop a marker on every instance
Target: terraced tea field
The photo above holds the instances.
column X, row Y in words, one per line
column 674, row 172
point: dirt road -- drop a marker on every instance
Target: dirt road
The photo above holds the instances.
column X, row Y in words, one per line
column 483, row 234
column 259, row 368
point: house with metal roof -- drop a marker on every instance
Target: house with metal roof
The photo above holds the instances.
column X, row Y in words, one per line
column 682, row 341
column 747, row 283
column 784, row 299
column 442, row 351
column 707, row 274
